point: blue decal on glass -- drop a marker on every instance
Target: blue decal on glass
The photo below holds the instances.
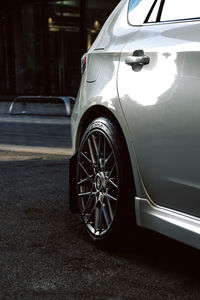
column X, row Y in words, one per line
column 133, row 4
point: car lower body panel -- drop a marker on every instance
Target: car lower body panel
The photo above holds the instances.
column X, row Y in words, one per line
column 179, row 226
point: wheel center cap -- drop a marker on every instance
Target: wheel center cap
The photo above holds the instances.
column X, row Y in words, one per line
column 99, row 181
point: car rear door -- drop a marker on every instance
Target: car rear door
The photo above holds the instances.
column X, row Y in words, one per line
column 159, row 90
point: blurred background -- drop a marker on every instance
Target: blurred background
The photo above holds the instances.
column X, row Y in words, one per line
column 42, row 42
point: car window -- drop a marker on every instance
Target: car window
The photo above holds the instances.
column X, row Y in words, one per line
column 138, row 11
column 180, row 9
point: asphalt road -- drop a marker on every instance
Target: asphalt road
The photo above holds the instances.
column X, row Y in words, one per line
column 44, row 250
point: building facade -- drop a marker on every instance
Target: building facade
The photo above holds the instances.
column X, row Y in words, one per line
column 42, row 42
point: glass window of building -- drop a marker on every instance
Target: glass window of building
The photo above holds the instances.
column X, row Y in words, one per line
column 42, row 42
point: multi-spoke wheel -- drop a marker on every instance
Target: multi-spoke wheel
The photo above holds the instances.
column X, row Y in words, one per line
column 101, row 177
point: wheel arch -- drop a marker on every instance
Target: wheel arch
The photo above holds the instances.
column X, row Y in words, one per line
column 91, row 114
column 95, row 112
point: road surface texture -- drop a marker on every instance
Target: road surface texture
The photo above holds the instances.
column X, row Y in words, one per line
column 44, row 250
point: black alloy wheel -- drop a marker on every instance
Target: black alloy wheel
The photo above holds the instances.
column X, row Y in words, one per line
column 103, row 180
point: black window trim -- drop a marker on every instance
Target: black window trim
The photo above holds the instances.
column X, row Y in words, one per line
column 160, row 10
column 150, row 12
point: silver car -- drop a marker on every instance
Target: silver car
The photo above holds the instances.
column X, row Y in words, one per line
column 136, row 124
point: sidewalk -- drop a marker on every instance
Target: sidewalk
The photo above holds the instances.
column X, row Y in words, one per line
column 36, row 132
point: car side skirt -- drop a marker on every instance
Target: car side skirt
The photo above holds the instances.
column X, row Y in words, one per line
column 179, row 226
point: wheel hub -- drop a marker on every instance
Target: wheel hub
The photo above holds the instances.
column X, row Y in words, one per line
column 100, row 182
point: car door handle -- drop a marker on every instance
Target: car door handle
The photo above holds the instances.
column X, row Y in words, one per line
column 137, row 59
column 131, row 60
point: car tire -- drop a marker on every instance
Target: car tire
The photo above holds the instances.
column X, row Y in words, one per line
column 105, row 185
